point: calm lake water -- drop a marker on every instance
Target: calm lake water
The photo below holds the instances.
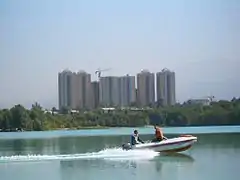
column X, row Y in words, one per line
column 95, row 154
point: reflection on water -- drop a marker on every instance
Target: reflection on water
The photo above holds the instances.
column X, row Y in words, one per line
column 30, row 146
column 133, row 166
column 176, row 157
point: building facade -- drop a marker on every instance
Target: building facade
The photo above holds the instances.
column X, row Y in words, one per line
column 109, row 88
column 127, row 90
column 82, row 94
column 74, row 90
column 104, row 91
column 166, row 88
column 95, row 94
column 204, row 102
column 145, row 88
column 64, row 89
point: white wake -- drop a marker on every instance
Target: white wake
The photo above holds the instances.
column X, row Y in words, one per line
column 107, row 154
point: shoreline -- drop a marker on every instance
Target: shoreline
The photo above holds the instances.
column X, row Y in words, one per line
column 59, row 129
column 106, row 127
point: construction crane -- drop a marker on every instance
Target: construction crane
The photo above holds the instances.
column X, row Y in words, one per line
column 99, row 71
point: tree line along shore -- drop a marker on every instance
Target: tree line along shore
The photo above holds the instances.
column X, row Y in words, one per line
column 221, row 112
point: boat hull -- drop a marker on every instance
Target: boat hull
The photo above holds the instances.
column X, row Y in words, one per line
column 178, row 144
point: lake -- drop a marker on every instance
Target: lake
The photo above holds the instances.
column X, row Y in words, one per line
column 95, row 154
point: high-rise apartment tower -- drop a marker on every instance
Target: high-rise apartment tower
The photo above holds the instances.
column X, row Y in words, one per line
column 145, row 88
column 166, row 92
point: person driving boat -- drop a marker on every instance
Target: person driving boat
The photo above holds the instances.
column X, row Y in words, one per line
column 135, row 138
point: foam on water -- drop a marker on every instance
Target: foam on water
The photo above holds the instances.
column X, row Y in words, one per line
column 107, row 154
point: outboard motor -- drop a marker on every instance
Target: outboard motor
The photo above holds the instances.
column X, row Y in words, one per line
column 126, row 146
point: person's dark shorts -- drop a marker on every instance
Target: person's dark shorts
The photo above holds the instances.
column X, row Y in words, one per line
column 157, row 140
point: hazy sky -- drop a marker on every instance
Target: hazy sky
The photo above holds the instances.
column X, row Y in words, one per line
column 198, row 39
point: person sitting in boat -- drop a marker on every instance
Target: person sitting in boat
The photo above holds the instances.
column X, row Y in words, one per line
column 135, row 138
column 158, row 134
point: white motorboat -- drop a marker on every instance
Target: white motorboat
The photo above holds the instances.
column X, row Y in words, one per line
column 177, row 144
